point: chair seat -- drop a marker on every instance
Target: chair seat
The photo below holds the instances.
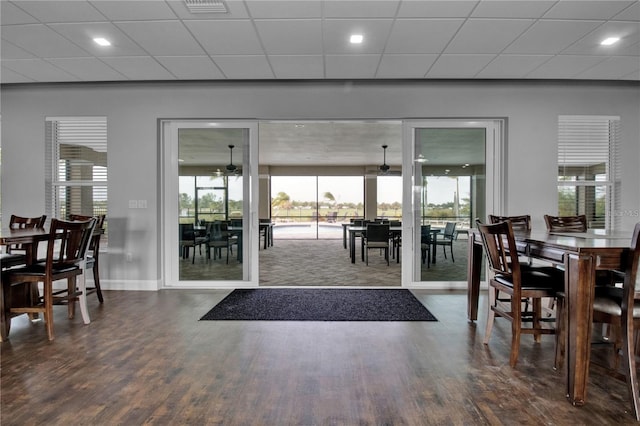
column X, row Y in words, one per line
column 374, row 244
column 11, row 260
column 537, row 278
column 40, row 269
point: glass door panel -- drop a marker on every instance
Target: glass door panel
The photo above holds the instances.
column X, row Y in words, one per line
column 450, row 185
column 210, row 230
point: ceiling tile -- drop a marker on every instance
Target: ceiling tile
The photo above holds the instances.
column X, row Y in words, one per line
column 360, row 9
column 9, row 76
column 298, row 66
column 292, row 36
column 351, row 66
column 162, row 37
column 11, row 14
column 458, row 66
column 235, row 10
column 613, row 68
column 512, row 9
column 226, row 37
column 404, row 66
column 38, row 70
column 549, row 37
column 629, row 33
column 41, row 41
column 62, row 11
column 565, row 66
column 84, row 33
column 632, row 13
column 134, row 10
column 337, row 32
column 632, row 76
column 244, row 67
column 436, row 9
column 284, row 9
column 10, row 51
column 190, row 67
column 88, row 69
column 586, row 9
column 487, row 35
column 421, row 35
column 139, row 68
column 512, row 66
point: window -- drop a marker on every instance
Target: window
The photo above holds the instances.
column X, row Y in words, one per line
column 588, row 180
column 76, row 166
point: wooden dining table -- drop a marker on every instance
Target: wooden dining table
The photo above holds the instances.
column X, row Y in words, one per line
column 582, row 254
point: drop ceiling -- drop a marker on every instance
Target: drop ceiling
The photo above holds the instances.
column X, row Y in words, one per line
column 52, row 41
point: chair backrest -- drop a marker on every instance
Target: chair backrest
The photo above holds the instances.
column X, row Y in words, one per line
column 377, row 232
column 518, row 223
column 68, row 242
column 449, row 230
column 631, row 284
column 214, row 231
column 187, row 232
column 566, row 223
column 94, row 245
column 425, row 234
column 497, row 239
column 19, row 222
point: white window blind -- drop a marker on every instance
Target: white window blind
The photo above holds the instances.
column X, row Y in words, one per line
column 76, row 168
column 587, row 176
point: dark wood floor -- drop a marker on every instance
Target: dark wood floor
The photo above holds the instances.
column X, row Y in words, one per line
column 146, row 359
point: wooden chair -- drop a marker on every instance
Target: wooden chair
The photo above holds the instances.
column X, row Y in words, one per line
column 518, row 283
column 448, row 237
column 376, row 237
column 66, row 255
column 615, row 305
column 16, row 253
column 566, row 223
column 518, row 223
column 94, row 252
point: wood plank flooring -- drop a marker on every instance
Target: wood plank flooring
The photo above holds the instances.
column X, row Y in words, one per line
column 146, row 359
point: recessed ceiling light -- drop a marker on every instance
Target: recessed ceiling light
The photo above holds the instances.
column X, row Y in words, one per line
column 609, row 41
column 356, row 38
column 102, row 41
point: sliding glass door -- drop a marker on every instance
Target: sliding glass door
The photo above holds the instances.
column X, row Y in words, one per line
column 210, row 227
column 453, row 168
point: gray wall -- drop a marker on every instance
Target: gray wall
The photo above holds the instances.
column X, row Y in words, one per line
column 132, row 109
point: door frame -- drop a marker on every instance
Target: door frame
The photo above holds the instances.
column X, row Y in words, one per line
column 168, row 211
column 494, row 196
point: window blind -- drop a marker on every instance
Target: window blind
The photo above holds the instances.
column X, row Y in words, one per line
column 587, row 148
column 76, row 166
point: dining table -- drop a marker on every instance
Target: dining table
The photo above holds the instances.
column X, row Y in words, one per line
column 581, row 254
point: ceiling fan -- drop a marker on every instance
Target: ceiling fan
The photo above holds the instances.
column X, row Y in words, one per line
column 230, row 169
column 384, row 169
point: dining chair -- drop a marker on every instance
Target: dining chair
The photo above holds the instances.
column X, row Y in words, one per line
column 217, row 240
column 566, row 223
column 448, row 236
column 425, row 244
column 188, row 239
column 616, row 306
column 93, row 256
column 16, row 253
column 67, row 247
column 517, row 282
column 518, row 223
column 376, row 237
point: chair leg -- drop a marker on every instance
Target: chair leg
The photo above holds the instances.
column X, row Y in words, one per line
column 48, row 308
column 96, row 280
column 451, row 247
column 630, row 365
column 491, row 316
column 560, row 334
column 71, row 303
column 82, row 298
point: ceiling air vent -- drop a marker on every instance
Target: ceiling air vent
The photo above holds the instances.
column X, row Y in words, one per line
column 206, row 6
